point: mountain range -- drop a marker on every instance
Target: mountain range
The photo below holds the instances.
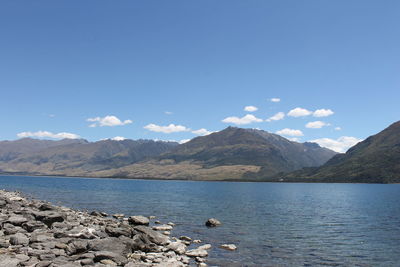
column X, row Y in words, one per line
column 231, row 154
column 374, row 160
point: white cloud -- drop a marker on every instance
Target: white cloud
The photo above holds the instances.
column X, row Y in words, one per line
column 316, row 124
column 338, row 128
column 275, row 100
column 294, row 139
column 168, row 112
column 250, row 108
column 278, row 116
column 290, row 132
column 299, row 112
column 323, row 113
column 184, row 141
column 44, row 134
column 341, row 145
column 172, row 128
column 247, row 119
column 118, row 138
column 202, row 131
column 107, row 121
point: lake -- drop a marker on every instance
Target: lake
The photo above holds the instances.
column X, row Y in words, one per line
column 272, row 224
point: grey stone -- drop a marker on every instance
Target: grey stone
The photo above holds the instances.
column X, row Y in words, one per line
column 139, row 220
column 108, row 255
column 8, row 261
column 119, row 230
column 153, row 236
column 212, row 222
column 49, row 217
column 111, row 244
column 19, row 239
column 17, row 220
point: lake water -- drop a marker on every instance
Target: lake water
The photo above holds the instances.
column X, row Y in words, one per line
column 272, row 224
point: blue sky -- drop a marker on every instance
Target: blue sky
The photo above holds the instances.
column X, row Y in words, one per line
column 195, row 64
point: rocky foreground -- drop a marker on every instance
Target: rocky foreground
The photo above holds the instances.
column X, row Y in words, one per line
column 35, row 233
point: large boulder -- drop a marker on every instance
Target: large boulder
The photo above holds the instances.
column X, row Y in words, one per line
column 117, row 231
column 153, row 236
column 139, row 220
column 49, row 217
column 111, row 244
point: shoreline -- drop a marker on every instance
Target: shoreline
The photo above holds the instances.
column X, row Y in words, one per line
column 191, row 180
column 37, row 233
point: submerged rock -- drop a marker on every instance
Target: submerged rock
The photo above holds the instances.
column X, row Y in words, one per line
column 212, row 222
column 230, row 247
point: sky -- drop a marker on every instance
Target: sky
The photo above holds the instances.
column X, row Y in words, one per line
column 315, row 70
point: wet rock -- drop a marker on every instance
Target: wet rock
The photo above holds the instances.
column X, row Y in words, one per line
column 178, row 247
column 230, row 247
column 163, row 227
column 197, row 253
column 185, row 238
column 205, row 246
column 212, row 222
column 118, row 215
column 138, row 220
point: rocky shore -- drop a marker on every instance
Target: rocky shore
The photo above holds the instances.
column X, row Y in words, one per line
column 36, row 233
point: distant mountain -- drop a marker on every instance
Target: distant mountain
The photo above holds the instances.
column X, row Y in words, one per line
column 75, row 156
column 374, row 160
column 233, row 153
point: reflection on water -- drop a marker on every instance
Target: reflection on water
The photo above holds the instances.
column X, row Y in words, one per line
column 273, row 224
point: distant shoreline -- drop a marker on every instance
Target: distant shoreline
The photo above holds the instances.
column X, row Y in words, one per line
column 189, row 180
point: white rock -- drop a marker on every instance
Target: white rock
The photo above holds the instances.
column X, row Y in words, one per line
column 230, row 247
column 206, row 246
column 197, row 253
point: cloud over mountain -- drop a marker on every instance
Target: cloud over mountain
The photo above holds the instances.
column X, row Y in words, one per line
column 247, row 119
column 109, row 120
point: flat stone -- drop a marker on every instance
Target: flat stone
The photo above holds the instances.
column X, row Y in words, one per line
column 230, row 247
column 111, row 244
column 205, row 246
column 197, row 253
column 163, row 227
column 17, row 220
